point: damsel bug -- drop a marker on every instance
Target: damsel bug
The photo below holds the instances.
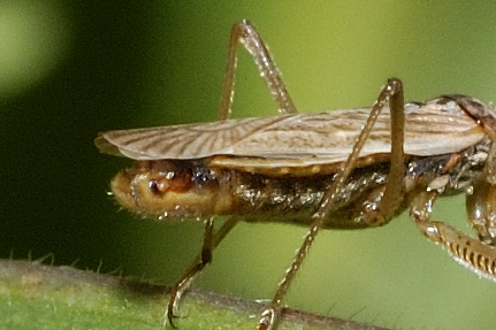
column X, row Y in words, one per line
column 345, row 169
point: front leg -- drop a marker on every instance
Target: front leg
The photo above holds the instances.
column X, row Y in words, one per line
column 210, row 241
column 467, row 251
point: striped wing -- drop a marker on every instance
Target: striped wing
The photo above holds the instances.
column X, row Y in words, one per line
column 431, row 128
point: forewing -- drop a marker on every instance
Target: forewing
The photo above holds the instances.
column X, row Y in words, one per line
column 189, row 141
column 431, row 128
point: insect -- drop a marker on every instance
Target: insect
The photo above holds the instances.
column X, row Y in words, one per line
column 344, row 169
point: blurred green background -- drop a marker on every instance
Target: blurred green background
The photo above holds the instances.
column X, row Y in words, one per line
column 69, row 69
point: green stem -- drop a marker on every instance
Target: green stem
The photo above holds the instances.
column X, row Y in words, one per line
column 35, row 296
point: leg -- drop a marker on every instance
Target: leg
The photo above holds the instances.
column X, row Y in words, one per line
column 393, row 91
column 245, row 33
column 481, row 209
column 210, row 242
column 393, row 192
column 467, row 251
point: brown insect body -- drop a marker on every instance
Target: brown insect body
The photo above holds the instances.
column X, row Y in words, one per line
column 205, row 192
column 250, row 187
column 345, row 169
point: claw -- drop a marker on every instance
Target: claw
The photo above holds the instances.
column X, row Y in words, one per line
column 267, row 319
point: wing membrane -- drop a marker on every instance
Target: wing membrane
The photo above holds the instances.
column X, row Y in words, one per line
column 431, row 128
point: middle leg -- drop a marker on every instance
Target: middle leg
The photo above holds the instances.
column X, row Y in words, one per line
column 392, row 92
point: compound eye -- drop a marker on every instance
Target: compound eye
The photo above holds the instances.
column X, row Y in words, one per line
column 172, row 181
column 158, row 186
